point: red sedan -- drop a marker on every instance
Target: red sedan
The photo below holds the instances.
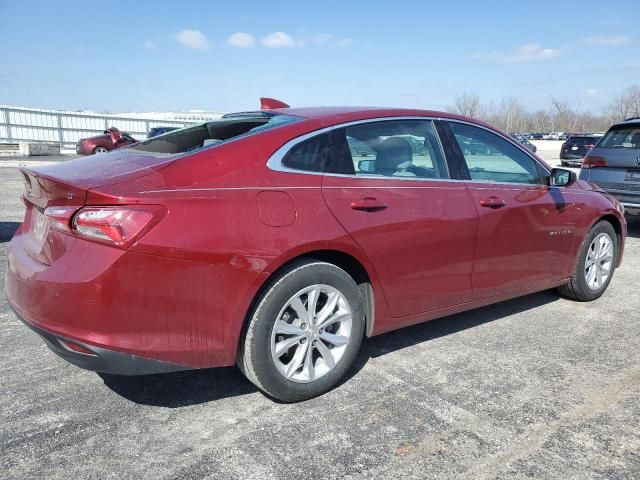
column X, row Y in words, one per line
column 278, row 239
column 110, row 139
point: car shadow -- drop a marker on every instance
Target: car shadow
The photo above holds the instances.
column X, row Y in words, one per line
column 180, row 389
column 633, row 226
column 441, row 327
column 7, row 229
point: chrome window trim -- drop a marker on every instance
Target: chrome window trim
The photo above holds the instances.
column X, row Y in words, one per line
column 275, row 160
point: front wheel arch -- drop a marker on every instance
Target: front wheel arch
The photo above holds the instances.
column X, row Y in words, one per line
column 617, row 227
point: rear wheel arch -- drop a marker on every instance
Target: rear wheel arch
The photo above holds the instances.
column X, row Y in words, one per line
column 345, row 261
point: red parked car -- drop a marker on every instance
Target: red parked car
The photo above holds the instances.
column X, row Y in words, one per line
column 111, row 139
column 276, row 240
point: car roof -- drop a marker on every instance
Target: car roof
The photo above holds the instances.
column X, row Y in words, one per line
column 632, row 119
column 328, row 116
column 362, row 112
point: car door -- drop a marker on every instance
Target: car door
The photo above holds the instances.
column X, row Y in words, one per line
column 526, row 228
column 387, row 183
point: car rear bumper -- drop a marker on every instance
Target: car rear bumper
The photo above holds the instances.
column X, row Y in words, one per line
column 130, row 309
column 100, row 359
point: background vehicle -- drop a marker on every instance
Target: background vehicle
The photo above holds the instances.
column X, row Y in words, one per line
column 111, row 139
column 614, row 164
column 555, row 136
column 155, row 131
column 260, row 240
column 576, row 147
column 536, row 136
column 524, row 141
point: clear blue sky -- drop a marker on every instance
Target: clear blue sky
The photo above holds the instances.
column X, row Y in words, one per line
column 178, row 55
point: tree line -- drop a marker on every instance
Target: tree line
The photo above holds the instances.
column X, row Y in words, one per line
column 510, row 115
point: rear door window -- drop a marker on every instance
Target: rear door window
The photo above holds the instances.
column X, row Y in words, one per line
column 622, row 136
column 389, row 148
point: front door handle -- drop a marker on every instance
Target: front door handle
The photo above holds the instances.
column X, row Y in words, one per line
column 492, row 202
column 368, row 204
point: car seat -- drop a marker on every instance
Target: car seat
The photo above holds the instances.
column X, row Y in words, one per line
column 394, row 158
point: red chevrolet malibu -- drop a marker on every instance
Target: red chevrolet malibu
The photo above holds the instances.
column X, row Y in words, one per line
column 276, row 240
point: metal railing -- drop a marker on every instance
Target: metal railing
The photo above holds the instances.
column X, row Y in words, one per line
column 66, row 128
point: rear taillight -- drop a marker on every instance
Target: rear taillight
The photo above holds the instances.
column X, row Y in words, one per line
column 117, row 226
column 591, row 162
column 60, row 217
column 589, row 147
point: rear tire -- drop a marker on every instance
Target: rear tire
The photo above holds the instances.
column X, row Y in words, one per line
column 596, row 263
column 287, row 350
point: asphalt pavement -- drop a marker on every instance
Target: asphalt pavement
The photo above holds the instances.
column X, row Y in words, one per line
column 535, row 387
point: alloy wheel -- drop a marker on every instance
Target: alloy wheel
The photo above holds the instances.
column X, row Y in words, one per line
column 597, row 267
column 311, row 333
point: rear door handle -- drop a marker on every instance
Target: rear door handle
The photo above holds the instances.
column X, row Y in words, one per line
column 492, row 202
column 368, row 204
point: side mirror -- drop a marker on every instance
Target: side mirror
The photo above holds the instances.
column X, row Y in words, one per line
column 561, row 178
column 367, row 166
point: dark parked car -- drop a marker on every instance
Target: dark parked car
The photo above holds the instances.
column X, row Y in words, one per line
column 524, row 141
column 259, row 240
column 155, row 131
column 111, row 139
column 576, row 147
column 614, row 164
column 536, row 136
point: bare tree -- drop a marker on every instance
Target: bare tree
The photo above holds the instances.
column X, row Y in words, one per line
column 632, row 98
column 467, row 104
column 512, row 116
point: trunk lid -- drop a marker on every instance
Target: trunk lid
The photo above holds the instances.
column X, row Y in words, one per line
column 66, row 185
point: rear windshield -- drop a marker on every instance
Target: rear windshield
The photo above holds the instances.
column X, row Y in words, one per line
column 622, row 136
column 230, row 127
column 583, row 140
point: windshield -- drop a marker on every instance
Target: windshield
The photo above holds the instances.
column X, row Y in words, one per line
column 213, row 133
column 623, row 136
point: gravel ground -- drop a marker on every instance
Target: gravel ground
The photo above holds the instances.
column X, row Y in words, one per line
column 537, row 387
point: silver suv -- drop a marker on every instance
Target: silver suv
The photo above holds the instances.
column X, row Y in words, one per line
column 614, row 164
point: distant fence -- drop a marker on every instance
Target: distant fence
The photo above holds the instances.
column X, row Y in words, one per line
column 66, row 128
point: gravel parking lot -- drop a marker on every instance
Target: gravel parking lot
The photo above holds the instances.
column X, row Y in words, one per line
column 536, row 387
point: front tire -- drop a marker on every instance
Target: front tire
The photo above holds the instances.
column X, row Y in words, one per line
column 304, row 333
column 596, row 264
column 100, row 150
